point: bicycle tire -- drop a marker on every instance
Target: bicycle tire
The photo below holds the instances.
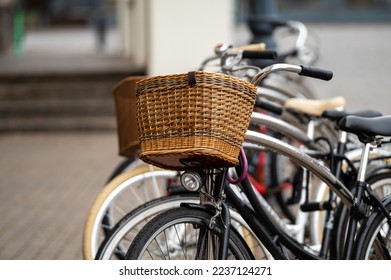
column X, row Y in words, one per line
column 92, row 232
column 374, row 238
column 125, row 230
column 377, row 182
column 197, row 218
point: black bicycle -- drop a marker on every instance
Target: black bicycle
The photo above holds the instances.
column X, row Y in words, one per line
column 203, row 231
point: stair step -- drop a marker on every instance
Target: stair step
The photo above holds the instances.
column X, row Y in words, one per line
column 56, row 107
column 57, row 123
column 53, row 102
column 67, row 86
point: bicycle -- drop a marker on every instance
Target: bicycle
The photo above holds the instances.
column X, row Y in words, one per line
column 274, row 247
column 375, row 230
column 119, row 231
column 90, row 235
column 108, row 221
column 257, row 119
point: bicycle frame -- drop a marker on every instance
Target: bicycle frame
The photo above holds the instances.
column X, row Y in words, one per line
column 297, row 228
column 300, row 158
column 352, row 202
column 304, row 160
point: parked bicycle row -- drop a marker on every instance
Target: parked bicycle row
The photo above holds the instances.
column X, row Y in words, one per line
column 240, row 160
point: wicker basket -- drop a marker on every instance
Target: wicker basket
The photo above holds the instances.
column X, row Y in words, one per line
column 125, row 107
column 192, row 120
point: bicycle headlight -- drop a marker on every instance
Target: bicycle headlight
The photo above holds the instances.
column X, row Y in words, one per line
column 191, row 180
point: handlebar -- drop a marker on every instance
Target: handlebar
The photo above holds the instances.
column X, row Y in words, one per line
column 316, row 73
column 312, row 72
column 294, row 26
column 302, row 33
column 230, row 56
column 259, row 54
column 251, row 47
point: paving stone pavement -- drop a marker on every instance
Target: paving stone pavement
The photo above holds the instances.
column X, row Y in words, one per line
column 47, row 184
column 48, row 181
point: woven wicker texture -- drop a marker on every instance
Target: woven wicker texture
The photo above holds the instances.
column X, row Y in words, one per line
column 182, row 125
column 125, row 107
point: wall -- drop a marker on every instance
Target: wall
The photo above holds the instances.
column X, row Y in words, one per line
column 173, row 36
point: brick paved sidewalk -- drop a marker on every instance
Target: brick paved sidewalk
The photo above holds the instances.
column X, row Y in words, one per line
column 47, row 184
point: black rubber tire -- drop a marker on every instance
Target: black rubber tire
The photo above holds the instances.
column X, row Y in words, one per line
column 376, row 180
column 374, row 238
column 121, row 234
column 197, row 218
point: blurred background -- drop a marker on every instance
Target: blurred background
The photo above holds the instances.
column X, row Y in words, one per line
column 59, row 60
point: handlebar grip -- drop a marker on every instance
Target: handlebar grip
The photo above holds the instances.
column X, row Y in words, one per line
column 269, row 106
column 251, row 47
column 259, row 54
column 317, row 73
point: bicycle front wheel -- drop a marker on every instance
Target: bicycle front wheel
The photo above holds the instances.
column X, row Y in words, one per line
column 121, row 195
column 173, row 235
column 117, row 242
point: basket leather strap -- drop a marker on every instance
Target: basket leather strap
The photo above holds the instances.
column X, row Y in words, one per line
column 191, row 78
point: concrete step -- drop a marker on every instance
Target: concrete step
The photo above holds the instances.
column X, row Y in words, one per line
column 57, row 107
column 54, row 102
column 56, row 123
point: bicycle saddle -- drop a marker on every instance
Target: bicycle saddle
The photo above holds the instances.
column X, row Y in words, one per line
column 314, row 107
column 367, row 128
column 337, row 115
